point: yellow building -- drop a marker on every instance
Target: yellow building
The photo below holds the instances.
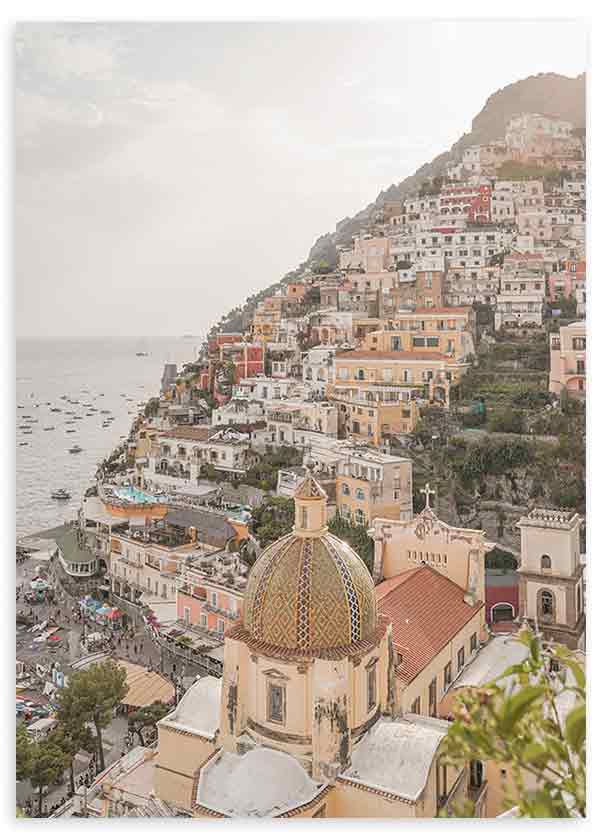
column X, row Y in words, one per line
column 376, row 390
column 447, row 330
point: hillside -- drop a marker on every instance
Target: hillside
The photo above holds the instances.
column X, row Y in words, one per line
column 546, row 93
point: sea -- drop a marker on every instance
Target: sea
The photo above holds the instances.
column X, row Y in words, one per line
column 103, row 373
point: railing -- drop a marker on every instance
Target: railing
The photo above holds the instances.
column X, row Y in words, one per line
column 478, row 795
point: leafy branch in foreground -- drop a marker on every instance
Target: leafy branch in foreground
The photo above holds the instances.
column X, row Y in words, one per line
column 532, row 719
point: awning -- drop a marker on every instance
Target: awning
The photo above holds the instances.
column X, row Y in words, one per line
column 145, row 687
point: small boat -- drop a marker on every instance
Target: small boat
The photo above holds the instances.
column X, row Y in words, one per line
column 71, row 431
column 57, row 410
column 141, row 353
column 75, row 449
column 89, row 414
column 49, row 428
column 24, row 427
column 77, row 417
column 27, row 431
column 20, row 406
column 24, row 443
column 61, row 495
column 105, row 411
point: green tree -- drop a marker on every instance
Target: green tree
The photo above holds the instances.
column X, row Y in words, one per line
column 509, row 420
column 272, row 519
column 146, row 718
column 77, row 737
column 24, row 753
column 151, row 407
column 91, row 697
column 532, row 720
column 356, row 536
column 48, row 763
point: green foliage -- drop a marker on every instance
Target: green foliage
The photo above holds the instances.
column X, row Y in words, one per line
column 24, row 753
column 143, row 721
column 520, row 721
column 42, row 762
column 264, row 473
column 497, row 558
column 151, row 407
column 356, row 536
column 91, row 697
column 567, row 306
column 471, row 462
column 508, row 420
column 272, row 519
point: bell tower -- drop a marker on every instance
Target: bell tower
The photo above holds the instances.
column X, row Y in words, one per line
column 551, row 575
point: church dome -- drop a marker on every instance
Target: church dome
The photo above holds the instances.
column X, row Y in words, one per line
column 310, row 591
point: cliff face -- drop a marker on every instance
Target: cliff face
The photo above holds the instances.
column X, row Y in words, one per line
column 547, row 93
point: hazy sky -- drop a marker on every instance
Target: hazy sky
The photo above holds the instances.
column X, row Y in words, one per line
column 166, row 171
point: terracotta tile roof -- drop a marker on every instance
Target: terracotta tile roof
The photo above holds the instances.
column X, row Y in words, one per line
column 399, row 355
column 200, row 433
column 427, row 610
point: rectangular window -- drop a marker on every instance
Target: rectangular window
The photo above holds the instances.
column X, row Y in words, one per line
column 447, row 676
column 416, row 707
column 220, row 626
column 473, row 643
column 460, row 659
column 275, row 703
column 433, row 698
column 371, row 688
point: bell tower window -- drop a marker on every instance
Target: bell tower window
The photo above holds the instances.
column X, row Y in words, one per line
column 546, row 561
column 547, row 605
column 303, row 517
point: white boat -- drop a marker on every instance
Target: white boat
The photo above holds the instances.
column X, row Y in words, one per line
column 61, row 495
column 75, row 449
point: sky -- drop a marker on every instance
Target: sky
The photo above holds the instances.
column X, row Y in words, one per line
column 165, row 171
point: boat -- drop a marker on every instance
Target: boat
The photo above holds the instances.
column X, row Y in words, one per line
column 69, row 431
column 75, row 449
column 24, row 443
column 141, row 353
column 49, row 428
column 20, row 406
column 56, row 410
column 27, row 431
column 61, row 495
column 105, row 411
column 24, row 427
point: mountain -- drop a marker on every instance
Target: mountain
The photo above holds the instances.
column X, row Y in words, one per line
column 547, row 93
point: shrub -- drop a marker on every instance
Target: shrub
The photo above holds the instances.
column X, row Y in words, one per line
column 509, row 421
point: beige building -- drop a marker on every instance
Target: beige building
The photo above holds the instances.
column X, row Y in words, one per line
column 447, row 330
column 305, row 722
column 551, row 584
column 370, row 483
column 377, row 390
column 568, row 360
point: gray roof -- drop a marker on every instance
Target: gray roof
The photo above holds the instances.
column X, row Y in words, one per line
column 212, row 528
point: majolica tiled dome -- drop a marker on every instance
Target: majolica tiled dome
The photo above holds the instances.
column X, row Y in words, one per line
column 309, row 590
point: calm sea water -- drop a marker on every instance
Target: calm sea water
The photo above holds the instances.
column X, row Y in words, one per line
column 101, row 372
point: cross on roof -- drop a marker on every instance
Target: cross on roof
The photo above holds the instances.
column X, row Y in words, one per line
column 427, row 492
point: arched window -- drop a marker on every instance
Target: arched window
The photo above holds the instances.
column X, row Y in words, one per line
column 360, row 494
column 547, row 604
column 546, row 561
column 304, row 517
column 345, row 490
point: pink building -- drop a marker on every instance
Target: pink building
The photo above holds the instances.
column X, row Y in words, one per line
column 210, row 595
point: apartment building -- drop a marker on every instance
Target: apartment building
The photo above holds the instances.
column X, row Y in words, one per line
column 317, row 369
column 568, row 360
column 520, row 302
column 376, row 391
column 370, row 483
column 210, row 592
column 447, row 330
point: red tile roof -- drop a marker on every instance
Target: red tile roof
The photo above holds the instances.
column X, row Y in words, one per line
column 198, row 433
column 427, row 610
